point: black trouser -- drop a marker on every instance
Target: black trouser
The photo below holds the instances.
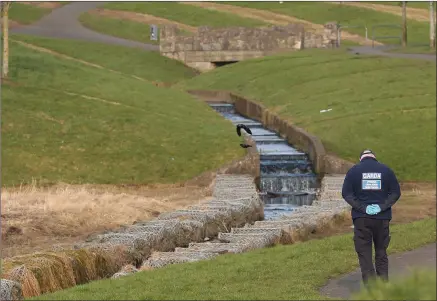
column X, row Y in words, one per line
column 367, row 230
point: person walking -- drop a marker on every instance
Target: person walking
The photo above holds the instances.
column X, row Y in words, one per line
column 371, row 188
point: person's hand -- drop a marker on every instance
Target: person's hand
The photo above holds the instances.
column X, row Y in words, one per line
column 370, row 210
column 376, row 208
column 373, row 209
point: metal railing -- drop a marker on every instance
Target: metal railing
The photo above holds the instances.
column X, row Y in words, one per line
column 340, row 27
column 385, row 37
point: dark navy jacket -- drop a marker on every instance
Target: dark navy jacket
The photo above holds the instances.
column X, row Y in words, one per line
column 370, row 182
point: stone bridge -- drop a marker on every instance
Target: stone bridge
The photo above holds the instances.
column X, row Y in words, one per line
column 212, row 47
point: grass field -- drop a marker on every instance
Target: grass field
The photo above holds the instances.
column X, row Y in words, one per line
column 418, row 49
column 125, row 29
column 185, row 14
column 376, row 102
column 26, row 14
column 321, row 13
column 149, row 65
column 421, row 285
column 67, row 122
column 415, row 4
column 293, row 272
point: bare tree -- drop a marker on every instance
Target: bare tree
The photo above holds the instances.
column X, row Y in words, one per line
column 5, row 5
column 404, row 23
column 431, row 25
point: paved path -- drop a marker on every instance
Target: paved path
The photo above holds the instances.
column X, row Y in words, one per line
column 379, row 50
column 63, row 23
column 399, row 265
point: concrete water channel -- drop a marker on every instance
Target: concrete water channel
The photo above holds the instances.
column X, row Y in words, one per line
column 287, row 179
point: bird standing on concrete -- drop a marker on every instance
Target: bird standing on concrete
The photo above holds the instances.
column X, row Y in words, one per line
column 244, row 127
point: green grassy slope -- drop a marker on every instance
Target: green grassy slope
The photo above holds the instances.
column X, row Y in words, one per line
column 121, row 130
column 125, row 29
column 293, row 272
column 384, row 104
column 415, row 4
column 26, row 14
column 321, row 13
column 187, row 14
column 149, row 65
column 421, row 285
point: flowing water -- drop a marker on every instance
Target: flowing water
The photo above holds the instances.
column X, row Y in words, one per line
column 287, row 179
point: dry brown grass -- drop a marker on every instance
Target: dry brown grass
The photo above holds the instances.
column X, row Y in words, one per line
column 37, row 218
column 45, row 272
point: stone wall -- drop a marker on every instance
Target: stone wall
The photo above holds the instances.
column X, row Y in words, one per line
column 326, row 212
column 234, row 203
column 210, row 45
column 337, row 165
column 310, row 144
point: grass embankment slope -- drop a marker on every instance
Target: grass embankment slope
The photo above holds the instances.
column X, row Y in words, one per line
column 65, row 121
column 421, row 285
column 293, row 272
column 27, row 12
column 129, row 19
column 384, row 104
column 415, row 4
column 321, row 13
column 147, row 65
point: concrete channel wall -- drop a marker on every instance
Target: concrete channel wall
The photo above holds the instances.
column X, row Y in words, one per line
column 323, row 163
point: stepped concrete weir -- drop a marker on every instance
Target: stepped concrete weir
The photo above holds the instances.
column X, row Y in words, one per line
column 261, row 233
column 287, row 179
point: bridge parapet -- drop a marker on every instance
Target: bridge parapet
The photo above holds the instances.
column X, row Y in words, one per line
column 210, row 46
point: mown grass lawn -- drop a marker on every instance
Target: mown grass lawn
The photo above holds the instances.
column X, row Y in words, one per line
column 26, row 14
column 186, row 14
column 321, row 13
column 294, row 272
column 149, row 65
column 420, row 285
column 415, row 4
column 125, row 29
column 417, row 49
column 384, row 104
column 63, row 121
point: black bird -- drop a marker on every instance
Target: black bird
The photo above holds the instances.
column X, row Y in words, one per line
column 244, row 127
column 245, row 145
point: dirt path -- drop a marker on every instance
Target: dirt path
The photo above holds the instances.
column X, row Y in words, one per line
column 417, row 14
column 140, row 18
column 274, row 18
column 399, row 265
